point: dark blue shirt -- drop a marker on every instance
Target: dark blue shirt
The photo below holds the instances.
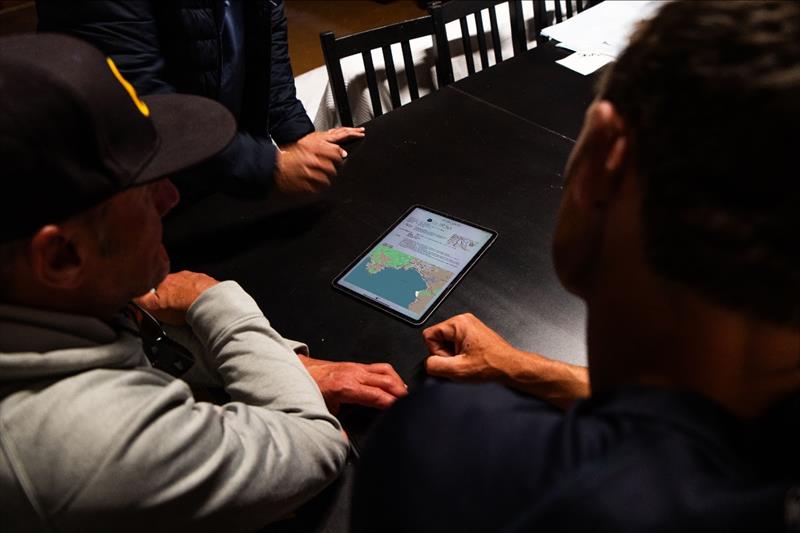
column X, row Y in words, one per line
column 233, row 61
column 483, row 458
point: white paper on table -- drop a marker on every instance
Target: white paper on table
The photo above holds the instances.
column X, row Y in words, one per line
column 585, row 63
column 604, row 28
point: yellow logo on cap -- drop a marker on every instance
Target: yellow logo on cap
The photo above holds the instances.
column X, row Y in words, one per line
column 128, row 87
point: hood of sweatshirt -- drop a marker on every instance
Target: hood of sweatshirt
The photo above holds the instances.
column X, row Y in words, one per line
column 37, row 344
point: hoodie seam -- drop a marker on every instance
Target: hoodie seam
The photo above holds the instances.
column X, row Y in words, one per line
column 21, row 475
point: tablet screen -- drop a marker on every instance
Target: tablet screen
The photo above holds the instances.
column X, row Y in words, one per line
column 410, row 269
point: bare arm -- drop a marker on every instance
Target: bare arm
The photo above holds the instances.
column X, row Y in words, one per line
column 464, row 349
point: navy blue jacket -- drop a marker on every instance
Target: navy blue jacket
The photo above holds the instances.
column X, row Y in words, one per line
column 174, row 46
column 469, row 458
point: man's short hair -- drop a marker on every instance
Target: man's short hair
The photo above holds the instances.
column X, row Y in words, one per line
column 711, row 93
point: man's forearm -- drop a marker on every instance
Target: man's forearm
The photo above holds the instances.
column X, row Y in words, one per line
column 556, row 382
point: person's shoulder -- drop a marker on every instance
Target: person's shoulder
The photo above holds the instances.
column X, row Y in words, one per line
column 466, row 457
column 88, row 408
column 59, row 431
column 681, row 458
column 466, row 431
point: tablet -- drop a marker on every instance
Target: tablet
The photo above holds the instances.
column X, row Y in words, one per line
column 412, row 267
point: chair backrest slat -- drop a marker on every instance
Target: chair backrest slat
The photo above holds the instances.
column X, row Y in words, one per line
column 335, row 49
column 335, row 77
column 467, row 41
column 391, row 76
column 559, row 14
column 446, row 12
column 498, row 53
column 540, row 21
column 481, row 39
column 569, row 9
column 394, row 33
column 372, row 83
column 444, row 63
column 411, row 76
column 518, row 37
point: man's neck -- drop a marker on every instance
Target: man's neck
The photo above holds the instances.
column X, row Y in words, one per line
column 656, row 333
column 76, row 302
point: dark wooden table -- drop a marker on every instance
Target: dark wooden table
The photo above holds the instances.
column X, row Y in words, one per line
column 476, row 150
column 533, row 87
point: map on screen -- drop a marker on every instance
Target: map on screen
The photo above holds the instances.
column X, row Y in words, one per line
column 416, row 261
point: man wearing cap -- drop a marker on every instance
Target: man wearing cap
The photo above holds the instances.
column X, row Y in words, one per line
column 233, row 51
column 92, row 438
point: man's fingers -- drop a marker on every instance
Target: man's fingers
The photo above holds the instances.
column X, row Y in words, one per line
column 323, row 164
column 317, row 180
column 440, row 339
column 322, row 149
column 384, row 368
column 374, row 385
column 440, row 347
column 389, row 383
column 327, row 166
column 445, row 367
column 370, row 397
column 148, row 300
column 342, row 134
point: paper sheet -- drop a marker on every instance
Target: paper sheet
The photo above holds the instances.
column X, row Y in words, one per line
column 585, row 63
column 603, row 30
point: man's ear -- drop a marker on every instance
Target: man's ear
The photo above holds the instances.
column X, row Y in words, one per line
column 58, row 259
column 601, row 152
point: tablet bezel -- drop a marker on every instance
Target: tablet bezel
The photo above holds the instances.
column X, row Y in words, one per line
column 440, row 298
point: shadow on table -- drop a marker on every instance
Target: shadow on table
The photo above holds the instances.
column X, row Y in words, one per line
column 219, row 226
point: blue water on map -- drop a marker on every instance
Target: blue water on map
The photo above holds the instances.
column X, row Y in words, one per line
column 396, row 285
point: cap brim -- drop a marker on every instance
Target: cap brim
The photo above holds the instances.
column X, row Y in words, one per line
column 191, row 129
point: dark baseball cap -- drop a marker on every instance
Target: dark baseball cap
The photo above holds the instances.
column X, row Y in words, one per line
column 73, row 131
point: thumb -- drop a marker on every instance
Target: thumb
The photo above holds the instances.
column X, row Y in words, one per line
column 148, row 300
column 445, row 366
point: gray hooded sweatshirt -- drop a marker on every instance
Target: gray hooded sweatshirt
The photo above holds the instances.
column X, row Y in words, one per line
column 94, row 439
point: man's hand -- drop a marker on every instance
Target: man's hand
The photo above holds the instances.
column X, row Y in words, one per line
column 464, row 349
column 307, row 166
column 173, row 296
column 375, row 385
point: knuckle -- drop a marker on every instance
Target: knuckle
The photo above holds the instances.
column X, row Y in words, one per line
column 348, row 390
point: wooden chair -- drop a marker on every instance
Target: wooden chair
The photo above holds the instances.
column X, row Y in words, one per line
column 335, row 49
column 573, row 7
column 562, row 10
column 444, row 12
